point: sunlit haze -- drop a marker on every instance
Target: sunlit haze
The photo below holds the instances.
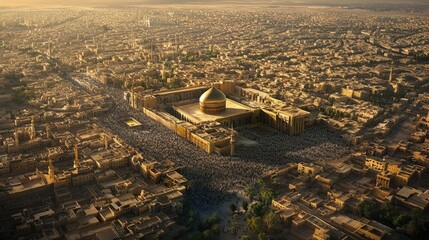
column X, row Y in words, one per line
column 214, row 120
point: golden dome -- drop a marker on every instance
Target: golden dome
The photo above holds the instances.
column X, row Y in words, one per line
column 212, row 101
column 213, row 95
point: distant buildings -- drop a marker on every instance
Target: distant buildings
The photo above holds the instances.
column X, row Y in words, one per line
column 65, row 176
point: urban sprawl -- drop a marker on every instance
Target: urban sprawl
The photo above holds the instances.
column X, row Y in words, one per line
column 213, row 123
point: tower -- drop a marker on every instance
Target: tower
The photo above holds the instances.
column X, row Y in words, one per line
column 385, row 165
column 232, row 142
column 32, row 129
column 106, row 142
column 49, row 52
column 51, row 173
column 391, row 73
column 48, row 131
column 163, row 71
column 16, row 135
column 132, row 93
column 76, row 157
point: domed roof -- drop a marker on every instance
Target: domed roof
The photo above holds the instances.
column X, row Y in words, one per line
column 213, row 95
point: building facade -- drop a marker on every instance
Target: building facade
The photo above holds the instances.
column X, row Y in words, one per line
column 204, row 115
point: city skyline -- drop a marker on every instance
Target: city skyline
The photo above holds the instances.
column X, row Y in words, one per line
column 221, row 2
column 201, row 121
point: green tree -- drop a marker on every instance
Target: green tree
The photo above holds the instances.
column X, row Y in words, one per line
column 276, row 181
column 271, row 219
column 256, row 224
column 389, row 212
column 257, row 209
column 245, row 205
column 261, row 236
column 251, row 192
column 208, row 235
column 261, row 183
column 22, row 96
column 266, row 194
column 215, row 229
column 370, row 209
column 412, row 228
column 402, row 220
column 214, row 219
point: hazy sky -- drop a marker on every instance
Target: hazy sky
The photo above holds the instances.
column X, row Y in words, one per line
column 261, row 2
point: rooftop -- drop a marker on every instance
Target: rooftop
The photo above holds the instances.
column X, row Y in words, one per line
column 131, row 122
column 193, row 113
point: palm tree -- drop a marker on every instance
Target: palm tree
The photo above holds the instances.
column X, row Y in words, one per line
column 207, row 234
column 245, row 205
column 271, row 219
column 250, row 192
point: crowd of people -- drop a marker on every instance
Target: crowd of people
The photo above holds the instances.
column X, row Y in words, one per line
column 212, row 175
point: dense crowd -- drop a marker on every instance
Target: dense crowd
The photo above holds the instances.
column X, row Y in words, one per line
column 213, row 176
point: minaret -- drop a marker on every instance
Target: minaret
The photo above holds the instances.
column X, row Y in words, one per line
column 51, row 173
column 32, row 129
column 385, row 163
column 76, row 157
column 232, row 141
column 106, row 142
column 163, row 71
column 49, row 52
column 132, row 93
column 391, row 73
column 16, row 135
column 48, row 131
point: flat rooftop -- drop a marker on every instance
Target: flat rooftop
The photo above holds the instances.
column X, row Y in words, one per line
column 131, row 122
column 20, row 183
column 193, row 113
column 180, row 90
column 289, row 111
